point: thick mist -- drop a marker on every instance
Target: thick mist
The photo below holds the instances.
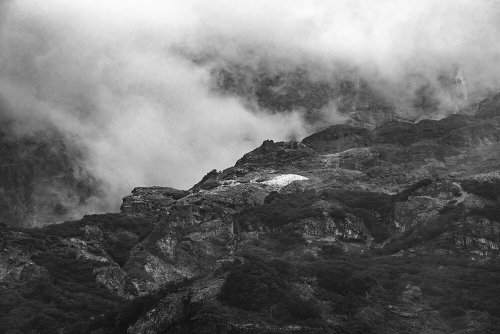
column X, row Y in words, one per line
column 131, row 84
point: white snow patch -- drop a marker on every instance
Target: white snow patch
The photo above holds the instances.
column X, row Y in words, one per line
column 284, row 180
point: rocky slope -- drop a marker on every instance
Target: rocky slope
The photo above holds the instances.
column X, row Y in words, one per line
column 351, row 230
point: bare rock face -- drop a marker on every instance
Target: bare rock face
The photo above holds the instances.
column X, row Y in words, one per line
column 178, row 308
column 114, row 279
column 476, row 235
column 145, row 199
column 15, row 271
column 18, row 269
column 185, row 243
column 348, row 229
column 190, row 237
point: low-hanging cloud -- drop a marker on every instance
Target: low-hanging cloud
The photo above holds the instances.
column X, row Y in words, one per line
column 131, row 84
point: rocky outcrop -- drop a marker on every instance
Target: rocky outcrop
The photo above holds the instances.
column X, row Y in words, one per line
column 186, row 242
column 274, row 156
column 190, row 236
column 176, row 311
column 16, row 266
column 144, row 199
column 18, row 270
column 338, row 138
column 476, row 235
column 116, row 280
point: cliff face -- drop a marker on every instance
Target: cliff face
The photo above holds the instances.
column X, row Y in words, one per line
column 351, row 230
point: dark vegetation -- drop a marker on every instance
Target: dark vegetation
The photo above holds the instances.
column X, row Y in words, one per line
column 403, row 195
column 407, row 134
column 490, row 211
column 253, row 285
column 281, row 210
column 71, row 298
column 257, row 285
column 209, row 181
column 116, row 245
column 68, row 301
column 344, row 284
column 118, row 319
column 264, row 283
column 375, row 209
column 486, row 189
column 430, row 230
column 210, row 184
column 348, row 283
column 288, row 239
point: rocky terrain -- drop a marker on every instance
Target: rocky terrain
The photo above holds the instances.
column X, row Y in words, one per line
column 354, row 229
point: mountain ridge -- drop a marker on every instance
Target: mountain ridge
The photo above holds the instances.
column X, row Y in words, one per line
column 337, row 233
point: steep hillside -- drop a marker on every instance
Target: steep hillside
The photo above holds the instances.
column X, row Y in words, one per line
column 41, row 180
column 389, row 230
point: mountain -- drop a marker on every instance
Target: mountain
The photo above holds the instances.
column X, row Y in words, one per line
column 354, row 229
column 47, row 178
column 41, row 180
column 348, row 95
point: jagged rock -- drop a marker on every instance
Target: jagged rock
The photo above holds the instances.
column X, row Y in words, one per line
column 151, row 199
column 93, row 232
column 176, row 308
column 187, row 241
column 17, row 269
column 115, row 280
column 476, row 235
column 295, row 186
column 416, row 210
column 88, row 250
column 412, row 292
column 271, row 155
column 352, row 159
